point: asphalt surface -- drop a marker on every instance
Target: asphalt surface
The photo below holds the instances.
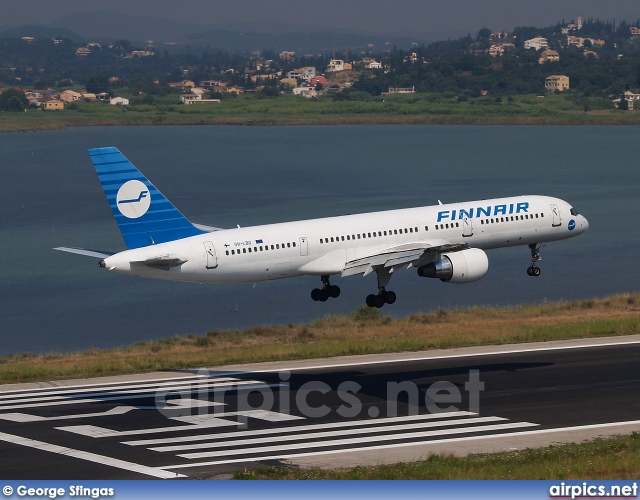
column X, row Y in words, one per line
column 328, row 413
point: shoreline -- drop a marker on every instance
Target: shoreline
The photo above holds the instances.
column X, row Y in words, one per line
column 34, row 120
column 365, row 331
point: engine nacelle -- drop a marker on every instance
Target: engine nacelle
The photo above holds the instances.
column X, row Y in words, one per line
column 458, row 267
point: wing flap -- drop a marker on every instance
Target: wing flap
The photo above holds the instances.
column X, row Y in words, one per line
column 404, row 255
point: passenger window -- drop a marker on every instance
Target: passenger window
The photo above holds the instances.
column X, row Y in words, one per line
column 244, row 250
column 343, row 238
column 278, row 247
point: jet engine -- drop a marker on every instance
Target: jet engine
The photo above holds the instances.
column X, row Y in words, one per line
column 457, row 267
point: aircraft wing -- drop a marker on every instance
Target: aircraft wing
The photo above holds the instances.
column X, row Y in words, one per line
column 407, row 255
column 98, row 254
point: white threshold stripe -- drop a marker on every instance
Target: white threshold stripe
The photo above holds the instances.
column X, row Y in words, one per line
column 110, row 387
column 25, row 417
column 87, row 456
column 216, row 420
column 144, row 390
column 339, row 432
column 401, row 445
column 428, row 358
column 368, row 439
column 16, row 392
column 297, row 428
column 98, row 397
column 124, row 383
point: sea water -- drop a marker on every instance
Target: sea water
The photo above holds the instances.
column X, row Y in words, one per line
column 233, row 175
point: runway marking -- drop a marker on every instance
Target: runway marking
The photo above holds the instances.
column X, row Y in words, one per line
column 401, row 445
column 134, row 384
column 87, row 456
column 349, row 442
column 325, row 434
column 198, row 422
column 298, row 428
column 137, row 394
column 25, row 417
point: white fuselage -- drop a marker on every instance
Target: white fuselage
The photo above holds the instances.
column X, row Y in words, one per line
column 324, row 246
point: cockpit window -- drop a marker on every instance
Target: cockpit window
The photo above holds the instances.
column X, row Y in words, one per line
column 574, row 212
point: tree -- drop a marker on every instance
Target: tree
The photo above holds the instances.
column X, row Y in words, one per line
column 624, row 104
column 13, row 100
column 97, row 84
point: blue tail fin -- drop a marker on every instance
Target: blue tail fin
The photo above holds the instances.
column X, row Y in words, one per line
column 144, row 215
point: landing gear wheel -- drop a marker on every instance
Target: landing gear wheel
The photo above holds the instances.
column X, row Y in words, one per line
column 389, row 297
column 379, row 301
column 371, row 300
column 327, row 291
column 533, row 271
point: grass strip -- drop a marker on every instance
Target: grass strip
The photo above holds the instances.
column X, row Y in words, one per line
column 366, row 331
column 295, row 110
column 615, row 458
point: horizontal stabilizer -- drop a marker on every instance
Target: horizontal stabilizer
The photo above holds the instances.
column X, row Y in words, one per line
column 98, row 254
column 208, row 229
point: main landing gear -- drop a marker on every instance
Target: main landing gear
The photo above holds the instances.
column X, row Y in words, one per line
column 384, row 296
column 327, row 291
column 533, row 270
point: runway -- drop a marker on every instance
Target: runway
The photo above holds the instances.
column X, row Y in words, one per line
column 329, row 413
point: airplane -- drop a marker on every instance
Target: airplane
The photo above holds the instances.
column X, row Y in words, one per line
column 444, row 241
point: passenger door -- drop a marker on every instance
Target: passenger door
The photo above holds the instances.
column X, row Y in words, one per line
column 212, row 260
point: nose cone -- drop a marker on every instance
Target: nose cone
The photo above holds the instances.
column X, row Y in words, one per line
column 583, row 224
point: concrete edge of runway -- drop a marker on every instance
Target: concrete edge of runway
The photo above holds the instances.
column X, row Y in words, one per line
column 333, row 362
column 464, row 446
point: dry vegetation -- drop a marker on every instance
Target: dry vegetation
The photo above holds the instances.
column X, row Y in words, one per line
column 364, row 332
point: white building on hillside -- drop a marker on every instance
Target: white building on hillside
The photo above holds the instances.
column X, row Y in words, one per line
column 536, row 43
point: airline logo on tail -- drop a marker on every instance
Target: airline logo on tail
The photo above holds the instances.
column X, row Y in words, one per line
column 133, row 199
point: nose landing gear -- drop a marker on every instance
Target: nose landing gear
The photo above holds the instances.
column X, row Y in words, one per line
column 533, row 270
